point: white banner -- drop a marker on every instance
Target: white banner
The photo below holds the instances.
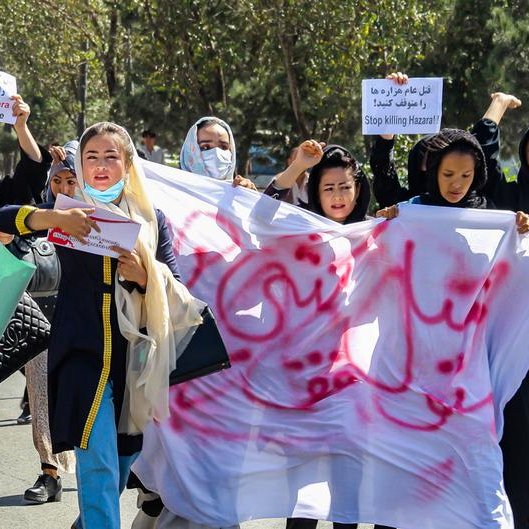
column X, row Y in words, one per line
column 371, row 362
column 413, row 108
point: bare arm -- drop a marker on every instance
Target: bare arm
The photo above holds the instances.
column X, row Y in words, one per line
column 27, row 143
column 499, row 104
column 310, row 152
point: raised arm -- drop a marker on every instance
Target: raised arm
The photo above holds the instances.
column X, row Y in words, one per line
column 309, row 153
column 386, row 185
column 29, row 179
column 25, row 139
column 503, row 194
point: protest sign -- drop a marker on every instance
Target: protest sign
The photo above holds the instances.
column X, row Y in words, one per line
column 15, row 275
column 412, row 108
column 116, row 230
column 8, row 88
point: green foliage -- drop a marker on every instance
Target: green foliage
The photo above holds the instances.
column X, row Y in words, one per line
column 291, row 66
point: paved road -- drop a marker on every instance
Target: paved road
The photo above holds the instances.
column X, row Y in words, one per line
column 20, row 467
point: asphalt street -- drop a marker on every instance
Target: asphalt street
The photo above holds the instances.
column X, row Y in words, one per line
column 21, row 467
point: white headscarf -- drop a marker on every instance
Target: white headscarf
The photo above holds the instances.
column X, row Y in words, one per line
column 167, row 310
column 191, row 155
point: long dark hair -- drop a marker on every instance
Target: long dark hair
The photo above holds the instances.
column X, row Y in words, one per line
column 338, row 156
column 445, row 142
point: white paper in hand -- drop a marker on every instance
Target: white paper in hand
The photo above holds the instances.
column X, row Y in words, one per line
column 8, row 88
column 116, row 230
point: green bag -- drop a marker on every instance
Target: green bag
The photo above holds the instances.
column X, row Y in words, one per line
column 15, row 276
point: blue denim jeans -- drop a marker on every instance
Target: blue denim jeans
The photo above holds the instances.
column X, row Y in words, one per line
column 101, row 473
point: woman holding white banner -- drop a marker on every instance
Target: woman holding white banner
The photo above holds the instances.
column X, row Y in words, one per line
column 456, row 175
column 338, row 190
column 114, row 339
column 386, row 185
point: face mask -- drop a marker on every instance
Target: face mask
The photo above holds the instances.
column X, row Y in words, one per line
column 217, row 162
column 108, row 195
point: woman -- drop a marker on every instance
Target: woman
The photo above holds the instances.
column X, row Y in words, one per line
column 337, row 187
column 386, row 185
column 338, row 190
column 456, row 175
column 25, row 186
column 209, row 150
column 114, row 340
column 48, row 487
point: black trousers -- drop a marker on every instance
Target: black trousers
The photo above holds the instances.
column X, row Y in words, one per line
column 308, row 523
column 514, row 445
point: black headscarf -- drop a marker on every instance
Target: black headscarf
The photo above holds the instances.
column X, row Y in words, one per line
column 443, row 143
column 416, row 174
column 338, row 156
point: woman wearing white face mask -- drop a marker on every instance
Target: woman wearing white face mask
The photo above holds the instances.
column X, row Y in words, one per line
column 209, row 150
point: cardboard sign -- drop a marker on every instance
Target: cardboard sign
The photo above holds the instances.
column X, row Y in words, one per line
column 8, row 88
column 413, row 108
column 116, row 230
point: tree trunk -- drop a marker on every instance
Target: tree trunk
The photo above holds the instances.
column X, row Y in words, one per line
column 287, row 48
column 110, row 55
column 83, row 86
column 246, row 135
column 128, row 61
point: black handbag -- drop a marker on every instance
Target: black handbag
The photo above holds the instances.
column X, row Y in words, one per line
column 40, row 252
column 205, row 353
column 26, row 335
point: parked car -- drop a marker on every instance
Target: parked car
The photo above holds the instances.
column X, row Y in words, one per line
column 264, row 165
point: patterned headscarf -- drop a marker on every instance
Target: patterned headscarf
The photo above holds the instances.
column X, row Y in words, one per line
column 191, row 156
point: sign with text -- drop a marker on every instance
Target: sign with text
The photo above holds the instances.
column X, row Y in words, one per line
column 8, row 88
column 116, row 230
column 412, row 108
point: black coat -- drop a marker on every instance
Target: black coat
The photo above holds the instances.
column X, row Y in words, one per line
column 514, row 195
column 26, row 184
column 86, row 348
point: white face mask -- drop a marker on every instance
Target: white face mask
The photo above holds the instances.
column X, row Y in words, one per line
column 217, row 162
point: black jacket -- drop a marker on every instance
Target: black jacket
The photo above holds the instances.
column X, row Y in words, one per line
column 26, row 184
column 86, row 347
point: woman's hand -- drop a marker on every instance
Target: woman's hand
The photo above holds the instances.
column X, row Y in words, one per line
column 58, row 154
column 309, row 153
column 21, row 110
column 76, row 222
column 388, row 213
column 240, row 181
column 507, row 100
column 522, row 222
column 130, row 266
column 5, row 238
column 399, row 77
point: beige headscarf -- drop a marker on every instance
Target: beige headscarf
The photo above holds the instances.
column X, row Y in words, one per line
column 167, row 310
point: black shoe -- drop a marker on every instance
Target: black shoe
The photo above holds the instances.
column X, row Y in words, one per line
column 46, row 488
column 25, row 416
